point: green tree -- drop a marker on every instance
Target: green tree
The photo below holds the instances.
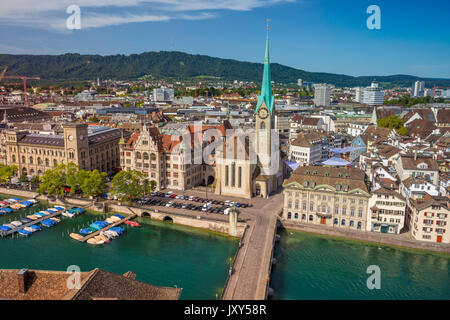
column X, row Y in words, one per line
column 95, row 184
column 34, row 181
column 23, row 177
column 53, row 182
column 128, row 185
column 7, row 172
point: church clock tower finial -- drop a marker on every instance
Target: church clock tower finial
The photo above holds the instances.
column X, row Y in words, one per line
column 266, row 85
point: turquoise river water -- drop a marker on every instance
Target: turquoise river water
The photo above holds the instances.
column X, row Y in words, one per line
column 159, row 253
column 319, row 267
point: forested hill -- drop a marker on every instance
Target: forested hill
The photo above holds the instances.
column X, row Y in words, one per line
column 178, row 65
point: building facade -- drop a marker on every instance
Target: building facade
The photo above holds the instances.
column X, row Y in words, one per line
column 35, row 153
column 336, row 197
column 387, row 212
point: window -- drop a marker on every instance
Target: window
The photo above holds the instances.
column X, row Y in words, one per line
column 352, row 223
column 359, row 224
column 336, row 210
column 296, row 215
column 343, row 222
column 310, row 217
column 290, row 204
column 303, row 216
column 344, row 211
column 233, row 174
column 240, row 177
column 311, row 206
column 289, row 215
column 296, row 205
column 31, row 160
column 47, row 162
column 226, row 175
column 335, row 221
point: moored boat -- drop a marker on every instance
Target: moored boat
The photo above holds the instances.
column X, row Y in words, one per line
column 16, row 223
column 132, row 223
column 23, row 232
column 76, row 236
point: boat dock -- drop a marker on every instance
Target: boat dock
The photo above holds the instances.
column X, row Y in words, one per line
column 7, row 233
column 96, row 233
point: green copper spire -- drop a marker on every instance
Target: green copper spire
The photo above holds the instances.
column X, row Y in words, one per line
column 266, row 86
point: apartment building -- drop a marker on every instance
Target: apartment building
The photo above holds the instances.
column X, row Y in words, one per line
column 429, row 219
column 386, row 211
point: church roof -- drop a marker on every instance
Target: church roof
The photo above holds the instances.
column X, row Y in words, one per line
column 266, row 86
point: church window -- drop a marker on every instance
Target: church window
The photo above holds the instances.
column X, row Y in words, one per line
column 226, row 175
column 262, row 126
column 240, row 177
column 233, row 174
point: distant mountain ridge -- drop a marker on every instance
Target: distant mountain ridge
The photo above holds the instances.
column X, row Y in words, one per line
column 180, row 65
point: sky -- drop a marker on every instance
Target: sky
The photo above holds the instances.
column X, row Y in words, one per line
column 313, row 35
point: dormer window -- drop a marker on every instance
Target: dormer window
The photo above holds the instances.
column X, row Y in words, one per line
column 305, row 183
column 327, row 174
column 315, row 172
column 338, row 187
column 345, row 188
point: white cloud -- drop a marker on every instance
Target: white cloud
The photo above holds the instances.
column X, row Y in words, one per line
column 51, row 14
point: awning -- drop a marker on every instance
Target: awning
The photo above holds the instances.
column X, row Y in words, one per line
column 292, row 165
column 336, row 161
column 345, row 150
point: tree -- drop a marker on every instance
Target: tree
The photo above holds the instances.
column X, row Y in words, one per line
column 34, row 181
column 54, row 181
column 23, row 177
column 128, row 185
column 393, row 122
column 95, row 184
column 6, row 172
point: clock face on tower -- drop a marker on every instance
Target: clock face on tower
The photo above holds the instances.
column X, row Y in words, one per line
column 263, row 113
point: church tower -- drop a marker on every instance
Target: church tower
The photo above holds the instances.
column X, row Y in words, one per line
column 264, row 115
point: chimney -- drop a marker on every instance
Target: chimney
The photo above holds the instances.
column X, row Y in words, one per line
column 22, row 277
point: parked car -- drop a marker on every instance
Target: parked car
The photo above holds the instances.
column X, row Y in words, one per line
column 169, row 204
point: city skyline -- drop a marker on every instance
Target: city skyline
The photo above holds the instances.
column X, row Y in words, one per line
column 319, row 36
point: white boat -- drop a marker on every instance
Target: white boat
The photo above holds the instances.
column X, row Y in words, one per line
column 11, row 226
column 29, row 229
column 32, row 201
column 16, row 223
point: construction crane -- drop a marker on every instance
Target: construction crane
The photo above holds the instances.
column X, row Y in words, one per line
column 24, row 79
column 434, row 89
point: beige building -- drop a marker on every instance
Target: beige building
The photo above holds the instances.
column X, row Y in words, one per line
column 162, row 157
column 336, row 197
column 386, row 211
column 429, row 219
column 35, row 153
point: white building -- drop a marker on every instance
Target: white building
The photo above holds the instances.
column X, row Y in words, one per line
column 418, row 89
column 373, row 95
column 359, row 94
column 322, row 95
column 306, row 150
column 386, row 212
column 162, row 94
column 300, row 82
column 356, row 129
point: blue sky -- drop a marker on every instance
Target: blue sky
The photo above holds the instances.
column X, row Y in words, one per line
column 313, row 35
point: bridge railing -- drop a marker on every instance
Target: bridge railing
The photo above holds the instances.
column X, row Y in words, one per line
column 232, row 267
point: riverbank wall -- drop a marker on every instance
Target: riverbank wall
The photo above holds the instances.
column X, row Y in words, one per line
column 364, row 236
column 190, row 220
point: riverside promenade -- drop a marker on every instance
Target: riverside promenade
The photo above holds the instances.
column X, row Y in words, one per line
column 250, row 274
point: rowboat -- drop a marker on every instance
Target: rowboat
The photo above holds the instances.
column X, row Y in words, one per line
column 132, row 223
column 16, row 223
column 29, row 229
column 36, row 227
column 55, row 219
column 32, row 217
column 76, row 236
column 23, row 232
